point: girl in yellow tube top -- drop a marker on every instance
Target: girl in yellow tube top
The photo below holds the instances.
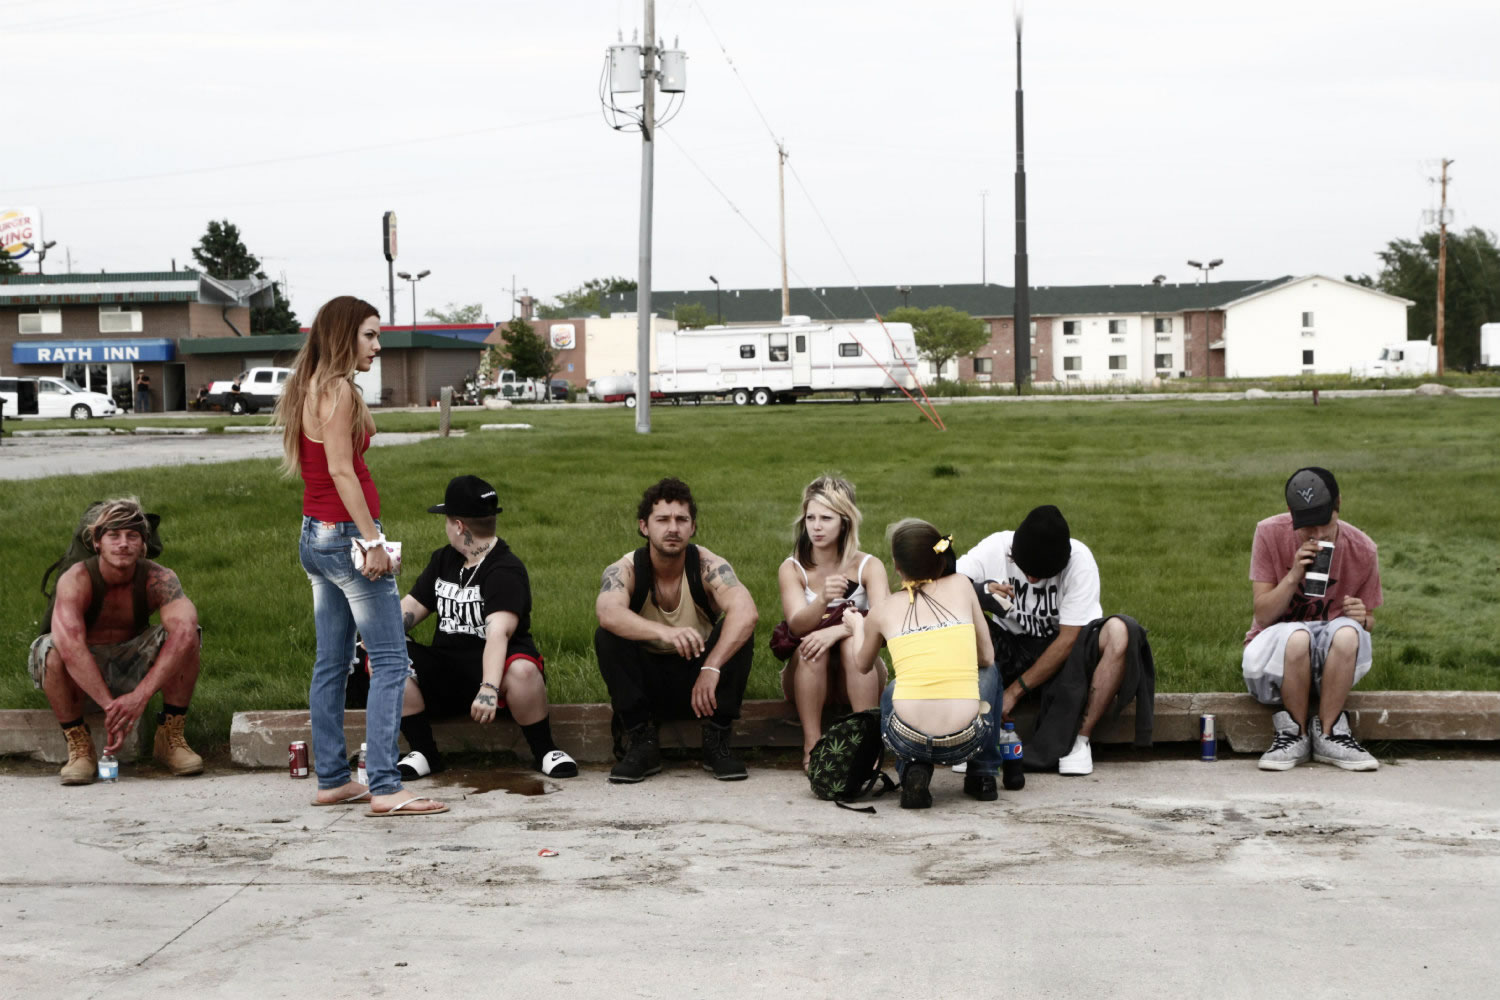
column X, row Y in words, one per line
column 941, row 706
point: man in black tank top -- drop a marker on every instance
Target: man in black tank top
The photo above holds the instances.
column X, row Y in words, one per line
column 101, row 650
column 673, row 641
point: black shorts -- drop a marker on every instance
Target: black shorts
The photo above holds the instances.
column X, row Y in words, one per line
column 449, row 679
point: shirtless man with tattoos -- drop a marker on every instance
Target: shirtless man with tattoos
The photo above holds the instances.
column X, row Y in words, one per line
column 102, row 652
column 674, row 634
column 482, row 659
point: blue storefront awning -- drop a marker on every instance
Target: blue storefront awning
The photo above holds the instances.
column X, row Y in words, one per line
column 52, row 352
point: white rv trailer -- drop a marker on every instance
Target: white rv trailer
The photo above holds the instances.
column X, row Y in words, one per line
column 759, row 364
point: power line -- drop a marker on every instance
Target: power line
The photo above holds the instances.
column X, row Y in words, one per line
column 300, row 157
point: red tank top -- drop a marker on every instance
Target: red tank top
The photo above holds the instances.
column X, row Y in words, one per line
column 320, row 499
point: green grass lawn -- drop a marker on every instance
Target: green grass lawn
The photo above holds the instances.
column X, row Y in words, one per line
column 1165, row 493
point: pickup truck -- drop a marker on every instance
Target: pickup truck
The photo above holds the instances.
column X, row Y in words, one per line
column 252, row 391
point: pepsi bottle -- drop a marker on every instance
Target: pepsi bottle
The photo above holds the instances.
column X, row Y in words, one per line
column 1014, row 775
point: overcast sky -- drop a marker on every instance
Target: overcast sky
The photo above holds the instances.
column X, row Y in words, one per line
column 1284, row 137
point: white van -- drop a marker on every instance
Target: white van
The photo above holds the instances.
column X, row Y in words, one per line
column 60, row 397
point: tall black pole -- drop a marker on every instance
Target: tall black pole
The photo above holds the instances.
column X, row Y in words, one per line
column 1023, row 291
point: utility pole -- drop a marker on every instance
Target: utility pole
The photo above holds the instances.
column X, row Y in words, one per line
column 984, row 233
column 1023, row 292
column 1442, row 261
column 631, row 68
column 786, row 291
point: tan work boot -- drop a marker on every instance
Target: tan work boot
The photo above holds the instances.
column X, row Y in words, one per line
column 171, row 748
column 82, row 766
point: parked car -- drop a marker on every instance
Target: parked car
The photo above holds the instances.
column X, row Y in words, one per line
column 560, row 389
column 56, row 397
column 253, row 390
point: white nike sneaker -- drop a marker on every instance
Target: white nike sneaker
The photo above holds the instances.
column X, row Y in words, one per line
column 1080, row 760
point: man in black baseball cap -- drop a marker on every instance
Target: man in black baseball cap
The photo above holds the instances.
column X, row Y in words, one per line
column 1315, row 581
column 482, row 659
column 1040, row 589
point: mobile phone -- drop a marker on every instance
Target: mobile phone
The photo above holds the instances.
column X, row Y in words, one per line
column 1315, row 583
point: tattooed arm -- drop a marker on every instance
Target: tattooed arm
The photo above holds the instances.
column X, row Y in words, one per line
column 178, row 654
column 613, row 604
column 412, row 612
column 730, row 597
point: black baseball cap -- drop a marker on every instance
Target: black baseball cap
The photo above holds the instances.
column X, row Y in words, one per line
column 1312, row 495
column 468, row 496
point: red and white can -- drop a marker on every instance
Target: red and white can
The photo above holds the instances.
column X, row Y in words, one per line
column 296, row 759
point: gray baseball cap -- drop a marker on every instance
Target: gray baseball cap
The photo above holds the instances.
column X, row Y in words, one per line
column 1312, row 495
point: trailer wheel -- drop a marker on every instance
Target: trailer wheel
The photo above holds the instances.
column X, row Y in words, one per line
column 740, row 397
column 761, row 397
column 856, row 398
column 630, row 401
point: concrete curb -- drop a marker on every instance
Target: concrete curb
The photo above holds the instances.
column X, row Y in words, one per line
column 35, row 732
column 170, row 430
column 259, row 739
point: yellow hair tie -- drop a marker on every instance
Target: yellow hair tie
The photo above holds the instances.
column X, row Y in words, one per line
column 910, row 586
column 941, row 545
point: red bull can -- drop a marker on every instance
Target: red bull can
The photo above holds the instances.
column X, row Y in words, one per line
column 1208, row 743
column 296, row 759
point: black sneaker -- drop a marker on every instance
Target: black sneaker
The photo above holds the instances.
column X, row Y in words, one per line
column 914, row 791
column 716, row 755
column 641, row 760
column 981, row 787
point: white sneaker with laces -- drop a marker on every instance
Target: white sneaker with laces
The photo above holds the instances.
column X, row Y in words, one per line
column 1291, row 746
column 1079, row 760
column 1339, row 747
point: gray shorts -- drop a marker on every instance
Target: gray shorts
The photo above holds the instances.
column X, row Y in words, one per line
column 1264, row 660
column 122, row 665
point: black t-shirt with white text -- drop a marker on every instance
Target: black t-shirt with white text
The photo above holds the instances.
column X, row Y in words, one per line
column 463, row 598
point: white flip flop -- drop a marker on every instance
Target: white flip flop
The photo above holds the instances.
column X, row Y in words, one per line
column 557, row 764
column 416, row 761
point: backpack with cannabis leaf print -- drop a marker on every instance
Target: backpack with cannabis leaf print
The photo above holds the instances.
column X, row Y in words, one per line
column 845, row 763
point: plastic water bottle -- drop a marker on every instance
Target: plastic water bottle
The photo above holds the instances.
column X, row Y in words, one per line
column 109, row 768
column 362, row 776
column 1010, row 758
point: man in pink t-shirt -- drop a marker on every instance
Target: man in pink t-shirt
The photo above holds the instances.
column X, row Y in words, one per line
column 1310, row 631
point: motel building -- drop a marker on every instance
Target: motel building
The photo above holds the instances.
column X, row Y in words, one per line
column 101, row 331
column 1100, row 335
column 186, row 330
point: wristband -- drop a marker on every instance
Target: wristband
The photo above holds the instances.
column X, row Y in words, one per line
column 714, row 669
column 365, row 546
column 487, row 684
column 1022, row 681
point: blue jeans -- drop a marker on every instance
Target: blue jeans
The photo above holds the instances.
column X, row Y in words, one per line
column 982, row 752
column 344, row 602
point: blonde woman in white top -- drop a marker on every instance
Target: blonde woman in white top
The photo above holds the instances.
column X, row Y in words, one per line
column 826, row 568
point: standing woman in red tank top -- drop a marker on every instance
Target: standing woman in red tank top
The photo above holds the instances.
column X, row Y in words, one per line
column 326, row 428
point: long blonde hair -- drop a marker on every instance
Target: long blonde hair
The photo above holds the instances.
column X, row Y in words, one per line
column 838, row 496
column 327, row 356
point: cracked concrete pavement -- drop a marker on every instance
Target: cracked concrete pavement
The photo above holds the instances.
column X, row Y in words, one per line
column 1148, row 878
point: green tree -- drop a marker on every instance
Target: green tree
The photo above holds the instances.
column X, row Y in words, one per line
column 8, row 266
column 1471, row 295
column 222, row 254
column 276, row 318
column 525, row 351
column 692, row 316
column 942, row 332
column 587, row 299
column 452, row 313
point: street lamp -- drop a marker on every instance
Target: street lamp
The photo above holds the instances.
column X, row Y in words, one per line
column 1205, row 268
column 905, row 290
column 40, row 251
column 717, row 310
column 419, row 276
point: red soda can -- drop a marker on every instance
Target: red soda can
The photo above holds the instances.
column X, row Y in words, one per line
column 296, row 758
column 1208, row 742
